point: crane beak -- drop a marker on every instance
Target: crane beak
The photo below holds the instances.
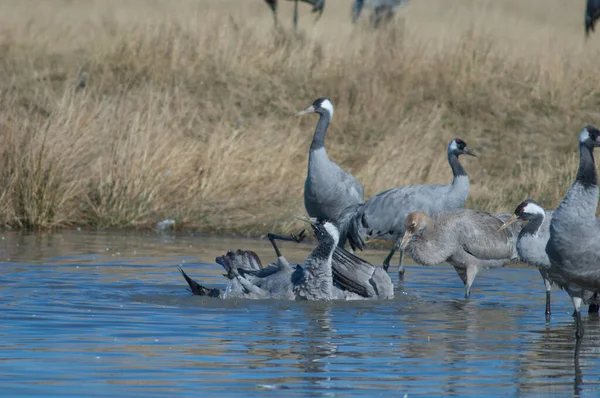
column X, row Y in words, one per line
column 513, row 219
column 467, row 151
column 310, row 109
column 405, row 240
column 311, row 220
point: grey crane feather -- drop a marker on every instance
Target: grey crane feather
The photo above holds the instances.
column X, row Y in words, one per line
column 328, row 188
column 531, row 245
column 572, row 247
column 317, row 279
column 383, row 216
column 466, row 239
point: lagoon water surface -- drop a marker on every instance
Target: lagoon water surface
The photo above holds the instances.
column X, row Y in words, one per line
column 108, row 314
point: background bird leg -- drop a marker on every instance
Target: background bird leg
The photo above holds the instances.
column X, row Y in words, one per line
column 292, row 238
column 296, row 15
column 318, row 8
column 273, row 6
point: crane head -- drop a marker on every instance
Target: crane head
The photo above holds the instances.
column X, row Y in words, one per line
column 320, row 105
column 589, row 136
column 459, row 147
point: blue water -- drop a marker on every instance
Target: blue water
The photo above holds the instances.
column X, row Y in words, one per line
column 107, row 313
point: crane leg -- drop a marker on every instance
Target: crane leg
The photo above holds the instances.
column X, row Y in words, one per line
column 292, row 238
column 401, row 269
column 548, row 286
column 386, row 262
column 578, row 322
column 471, row 274
column 593, row 308
column 296, row 15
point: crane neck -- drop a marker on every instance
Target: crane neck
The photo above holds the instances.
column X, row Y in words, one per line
column 318, row 140
column 586, row 175
column 533, row 225
column 457, row 169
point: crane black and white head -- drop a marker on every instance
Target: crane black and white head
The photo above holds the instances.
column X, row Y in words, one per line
column 320, row 106
column 589, row 137
column 415, row 223
column 325, row 231
column 459, row 147
column 527, row 210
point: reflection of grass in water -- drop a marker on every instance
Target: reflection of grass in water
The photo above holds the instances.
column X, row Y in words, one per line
column 187, row 110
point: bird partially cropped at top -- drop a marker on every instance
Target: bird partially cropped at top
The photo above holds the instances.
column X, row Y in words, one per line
column 328, row 188
column 382, row 10
column 592, row 13
column 532, row 241
column 316, row 279
column 383, row 216
column 573, row 247
column 318, row 7
column 466, row 239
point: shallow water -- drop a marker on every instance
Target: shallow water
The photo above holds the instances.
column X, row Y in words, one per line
column 107, row 313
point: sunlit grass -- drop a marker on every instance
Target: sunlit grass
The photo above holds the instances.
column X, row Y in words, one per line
column 188, row 111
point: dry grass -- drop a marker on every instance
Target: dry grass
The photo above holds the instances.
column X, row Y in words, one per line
column 188, row 110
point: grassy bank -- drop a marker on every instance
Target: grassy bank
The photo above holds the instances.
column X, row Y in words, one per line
column 188, row 110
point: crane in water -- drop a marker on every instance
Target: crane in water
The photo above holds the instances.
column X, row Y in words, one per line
column 532, row 241
column 318, row 7
column 382, row 10
column 573, row 247
column 592, row 13
column 329, row 273
column 466, row 239
column 383, row 215
column 328, row 188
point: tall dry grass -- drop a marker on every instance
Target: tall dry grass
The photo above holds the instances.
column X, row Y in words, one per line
column 188, row 111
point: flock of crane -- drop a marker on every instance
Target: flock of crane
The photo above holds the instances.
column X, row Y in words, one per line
column 384, row 10
column 431, row 223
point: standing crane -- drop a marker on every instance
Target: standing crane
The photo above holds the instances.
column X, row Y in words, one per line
column 467, row 239
column 383, row 215
column 592, row 13
column 328, row 189
column 531, row 245
column 573, row 247
column 383, row 10
column 318, row 7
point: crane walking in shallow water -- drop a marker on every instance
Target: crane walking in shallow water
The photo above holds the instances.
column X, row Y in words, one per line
column 383, row 215
column 531, row 244
column 532, row 240
column 467, row 239
column 318, row 7
column 573, row 247
column 328, row 188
